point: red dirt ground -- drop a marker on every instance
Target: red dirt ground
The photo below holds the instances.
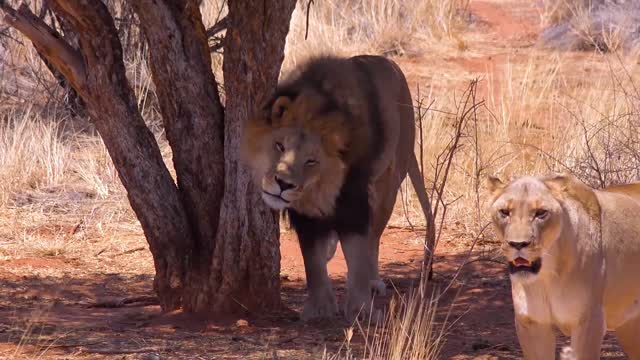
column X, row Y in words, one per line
column 46, row 303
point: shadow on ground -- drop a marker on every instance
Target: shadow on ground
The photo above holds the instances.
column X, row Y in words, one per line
column 53, row 317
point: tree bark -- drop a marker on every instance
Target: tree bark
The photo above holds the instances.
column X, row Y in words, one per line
column 214, row 243
column 248, row 234
column 97, row 73
column 193, row 119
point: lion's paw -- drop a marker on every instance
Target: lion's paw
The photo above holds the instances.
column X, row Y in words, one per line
column 358, row 305
column 322, row 306
column 378, row 287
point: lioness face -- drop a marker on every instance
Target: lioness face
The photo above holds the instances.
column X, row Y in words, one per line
column 527, row 220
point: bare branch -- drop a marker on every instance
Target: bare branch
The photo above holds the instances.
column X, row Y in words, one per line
column 218, row 27
column 306, row 31
column 46, row 41
column 218, row 44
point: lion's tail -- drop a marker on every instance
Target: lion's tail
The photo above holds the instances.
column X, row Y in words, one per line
column 425, row 204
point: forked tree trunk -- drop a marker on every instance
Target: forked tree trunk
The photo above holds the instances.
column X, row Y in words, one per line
column 214, row 243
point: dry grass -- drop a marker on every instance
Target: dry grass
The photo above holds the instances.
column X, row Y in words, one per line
column 388, row 27
column 60, row 194
column 591, row 24
column 408, row 331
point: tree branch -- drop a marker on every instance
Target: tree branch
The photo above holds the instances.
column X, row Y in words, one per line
column 112, row 105
column 66, row 59
column 217, row 27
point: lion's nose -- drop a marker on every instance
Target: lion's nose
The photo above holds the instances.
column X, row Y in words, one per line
column 284, row 185
column 519, row 245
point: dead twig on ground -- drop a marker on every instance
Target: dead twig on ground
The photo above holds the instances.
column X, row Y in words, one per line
column 120, row 351
column 142, row 300
column 131, row 251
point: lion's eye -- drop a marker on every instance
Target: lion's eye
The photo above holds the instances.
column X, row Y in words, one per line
column 541, row 214
column 311, row 162
column 504, row 213
column 279, row 146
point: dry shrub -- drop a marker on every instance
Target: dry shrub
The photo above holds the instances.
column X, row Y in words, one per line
column 604, row 25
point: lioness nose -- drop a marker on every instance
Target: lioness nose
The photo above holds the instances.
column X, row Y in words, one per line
column 519, row 244
column 284, row 185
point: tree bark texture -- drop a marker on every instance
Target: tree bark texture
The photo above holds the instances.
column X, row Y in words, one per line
column 193, row 120
column 214, row 243
column 248, row 234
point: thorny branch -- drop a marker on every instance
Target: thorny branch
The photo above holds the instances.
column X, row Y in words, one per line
column 466, row 110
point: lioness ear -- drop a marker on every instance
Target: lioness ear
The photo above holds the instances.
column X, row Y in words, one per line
column 558, row 182
column 494, row 184
column 280, row 105
column 566, row 185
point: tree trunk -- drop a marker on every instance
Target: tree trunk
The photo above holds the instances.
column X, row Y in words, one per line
column 248, row 234
column 194, row 122
column 214, row 243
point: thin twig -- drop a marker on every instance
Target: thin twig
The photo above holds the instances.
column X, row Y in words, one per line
column 220, row 26
column 142, row 300
column 306, row 31
column 120, row 351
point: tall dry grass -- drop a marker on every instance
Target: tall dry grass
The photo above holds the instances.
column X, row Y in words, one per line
column 386, row 27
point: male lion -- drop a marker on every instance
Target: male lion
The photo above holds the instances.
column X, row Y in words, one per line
column 331, row 147
column 574, row 261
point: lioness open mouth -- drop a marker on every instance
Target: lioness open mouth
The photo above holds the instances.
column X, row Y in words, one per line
column 520, row 264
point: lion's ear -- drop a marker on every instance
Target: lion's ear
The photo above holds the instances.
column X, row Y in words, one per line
column 279, row 106
column 494, row 184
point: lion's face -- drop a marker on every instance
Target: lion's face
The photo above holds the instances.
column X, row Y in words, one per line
column 528, row 220
column 296, row 167
column 296, row 156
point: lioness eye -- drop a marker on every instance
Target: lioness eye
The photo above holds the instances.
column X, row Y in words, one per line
column 541, row 213
column 504, row 212
column 279, row 146
column 311, row 162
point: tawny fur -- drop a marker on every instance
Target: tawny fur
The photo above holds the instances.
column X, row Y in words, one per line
column 288, row 131
column 589, row 246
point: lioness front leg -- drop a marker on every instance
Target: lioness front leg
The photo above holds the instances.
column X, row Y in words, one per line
column 356, row 252
column 321, row 300
column 538, row 341
column 586, row 338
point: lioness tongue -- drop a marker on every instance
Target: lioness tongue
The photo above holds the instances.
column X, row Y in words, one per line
column 521, row 262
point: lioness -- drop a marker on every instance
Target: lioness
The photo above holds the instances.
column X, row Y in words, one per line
column 331, row 147
column 574, row 261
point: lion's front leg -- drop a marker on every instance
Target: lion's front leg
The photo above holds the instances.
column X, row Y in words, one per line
column 538, row 341
column 321, row 301
column 356, row 252
column 586, row 338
